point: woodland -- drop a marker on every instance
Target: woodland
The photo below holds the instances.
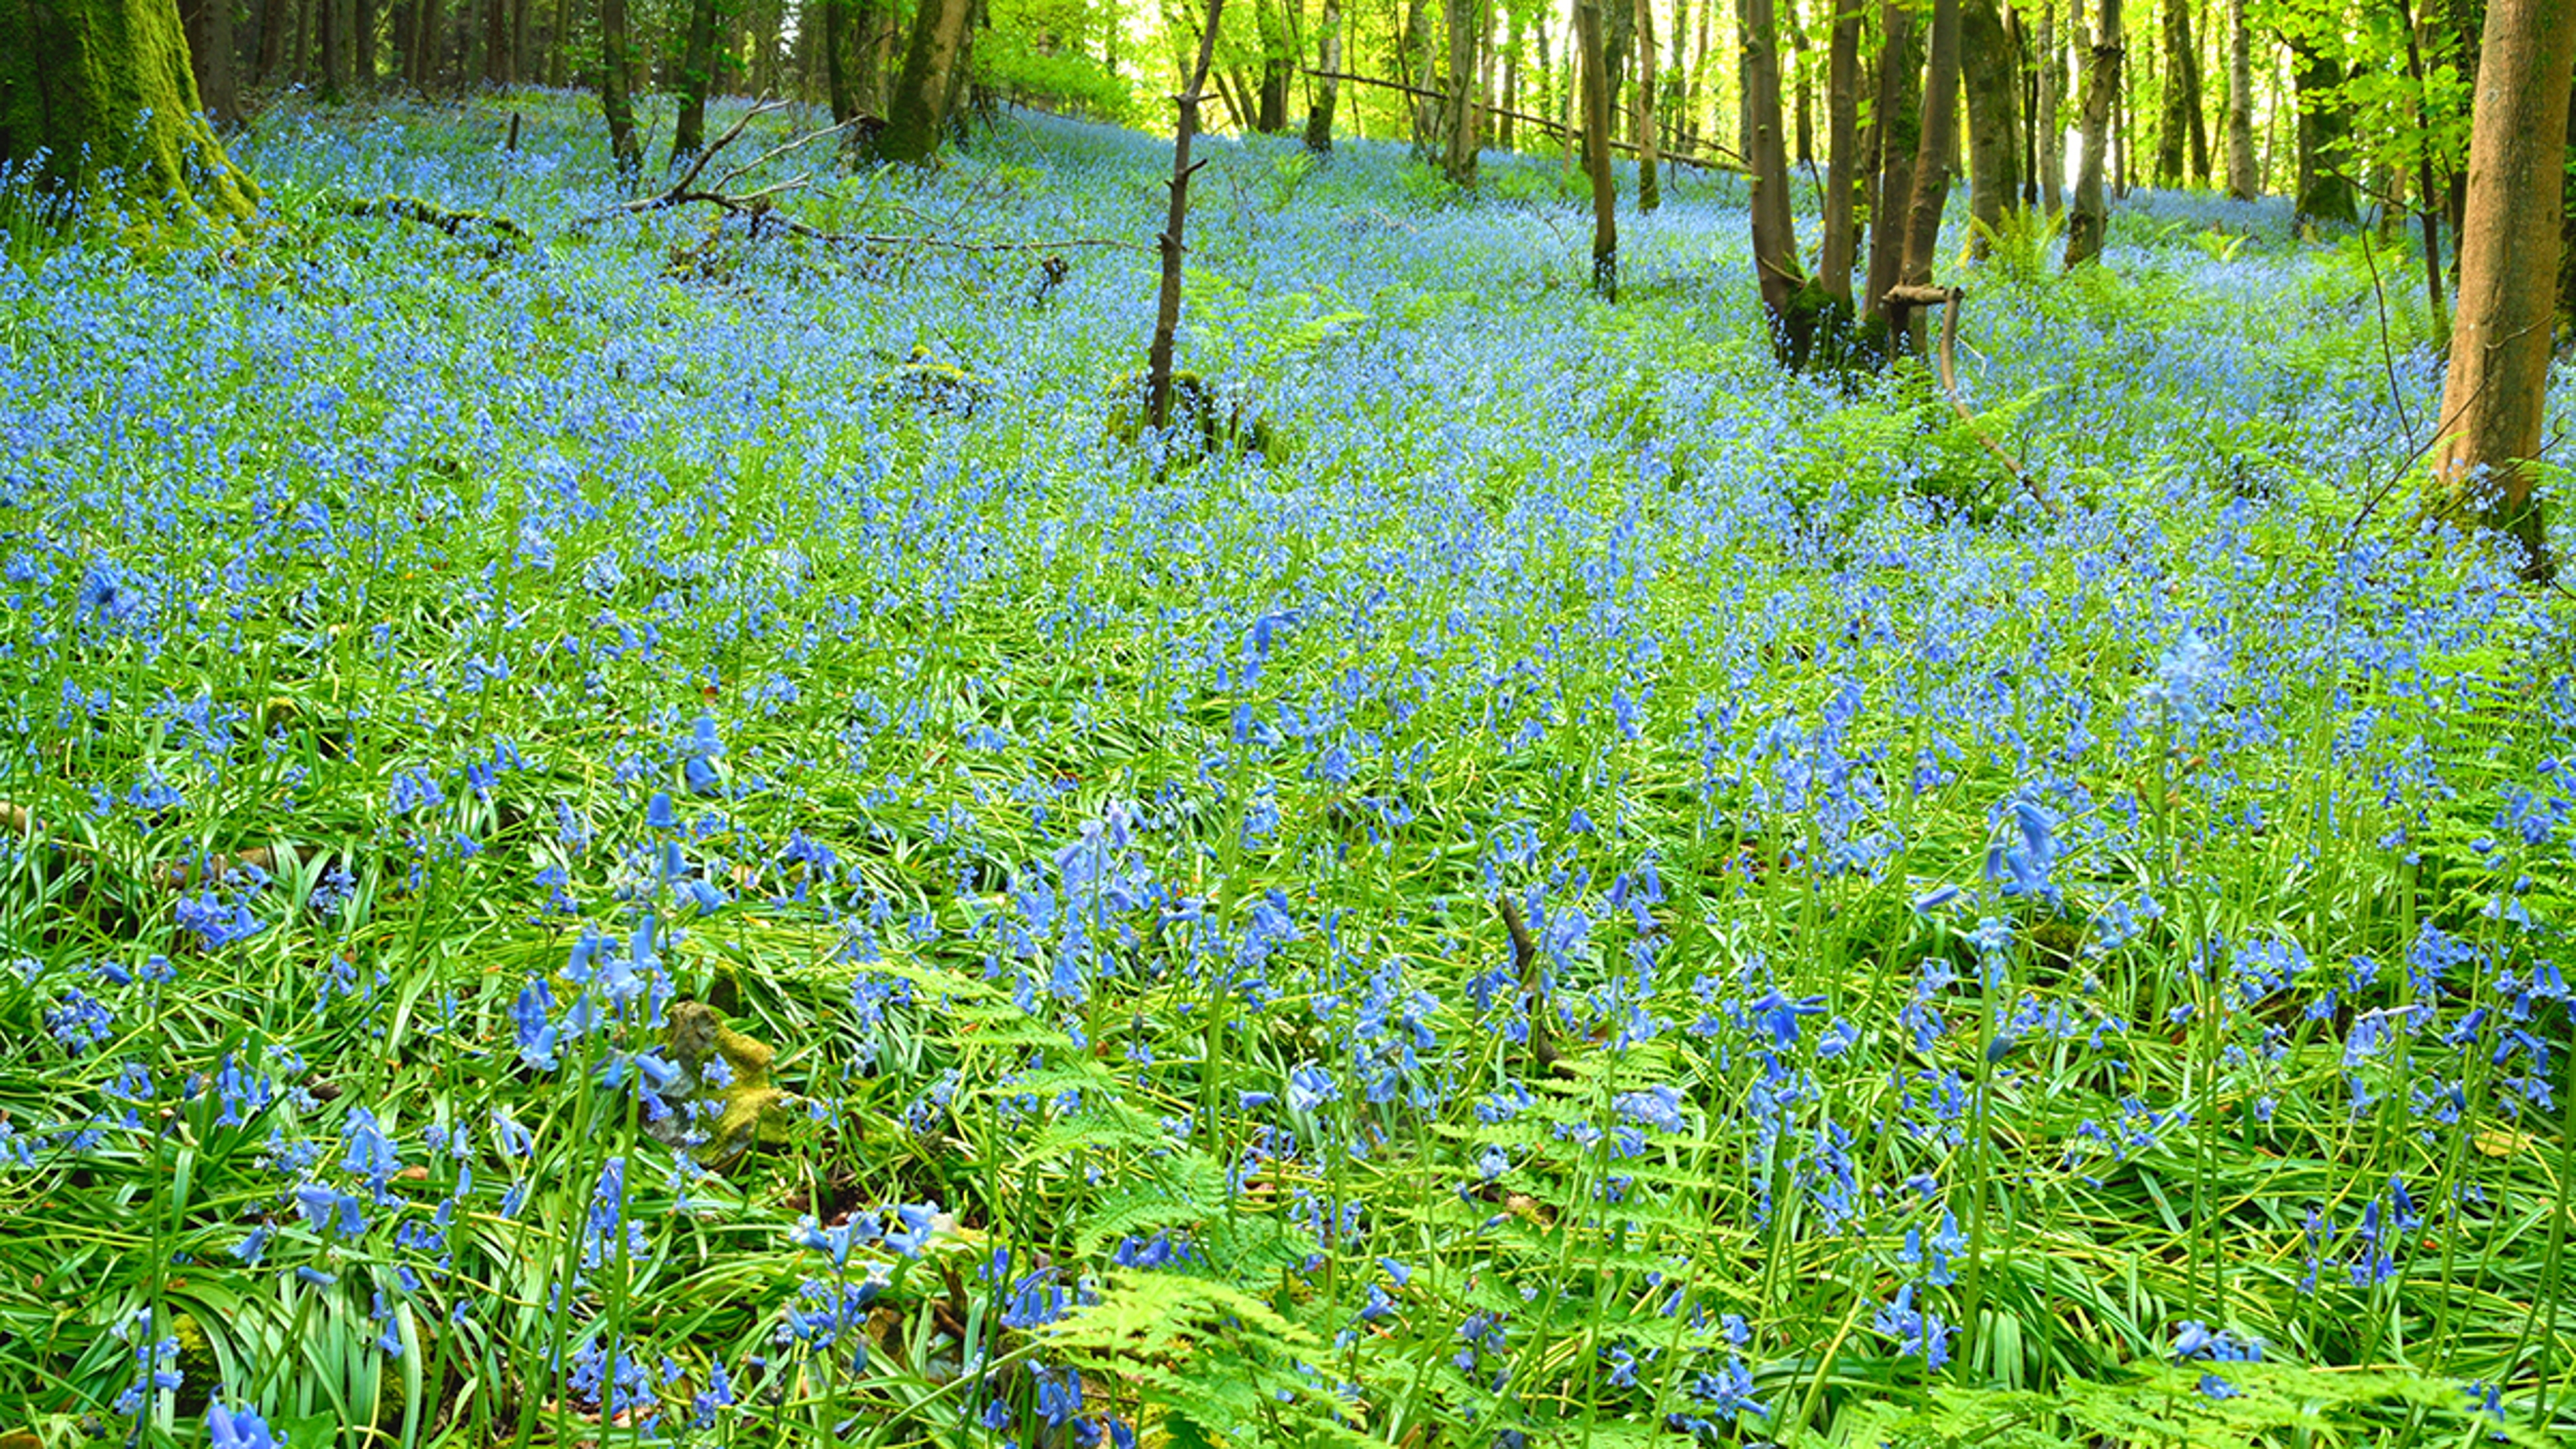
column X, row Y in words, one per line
column 1420, row 723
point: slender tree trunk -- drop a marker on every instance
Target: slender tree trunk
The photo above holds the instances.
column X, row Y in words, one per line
column 1987, row 65
column 2492, row 402
column 1427, row 111
column 923, row 92
column 1596, row 147
column 1932, row 157
column 2181, row 95
column 2428, row 200
column 1650, row 193
column 697, row 75
column 1328, row 59
column 616, row 73
column 2243, row 182
column 1803, row 115
column 1775, row 236
column 276, row 18
column 1511, row 93
column 523, row 55
column 2051, row 128
column 2089, row 222
column 1900, row 135
column 559, row 50
column 362, row 44
column 1167, row 301
column 1842, row 140
column 840, row 64
column 335, row 49
column 1278, row 65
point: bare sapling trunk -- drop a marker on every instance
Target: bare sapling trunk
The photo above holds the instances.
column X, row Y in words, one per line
column 1900, row 132
column 1328, row 59
column 2428, row 202
column 1167, row 304
column 2051, row 130
column 2090, row 220
column 1931, row 164
column 1650, row 192
column 1596, row 148
column 2491, row 404
column 1842, row 142
column 2243, row 182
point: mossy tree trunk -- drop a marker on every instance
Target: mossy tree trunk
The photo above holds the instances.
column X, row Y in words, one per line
column 932, row 64
column 1650, row 193
column 1464, row 129
column 2325, row 130
column 1775, row 235
column 1843, row 147
column 1990, row 68
column 210, row 53
column 1932, row 163
column 105, row 85
column 2492, row 400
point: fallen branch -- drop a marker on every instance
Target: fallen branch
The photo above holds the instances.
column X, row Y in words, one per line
column 1902, row 300
column 1554, row 128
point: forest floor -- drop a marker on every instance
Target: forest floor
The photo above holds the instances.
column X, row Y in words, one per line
column 663, row 825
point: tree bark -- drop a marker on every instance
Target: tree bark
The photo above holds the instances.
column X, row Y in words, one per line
column 1650, row 191
column 1596, row 148
column 2491, row 404
column 616, row 73
column 697, row 74
column 1989, row 68
column 1842, row 141
column 2181, row 98
column 1775, row 235
column 1932, row 158
column 1278, row 66
column 923, row 92
column 1328, row 58
column 1900, row 134
column 2089, row 220
column 2243, row 182
column 1428, row 112
column 334, row 19
column 276, row 18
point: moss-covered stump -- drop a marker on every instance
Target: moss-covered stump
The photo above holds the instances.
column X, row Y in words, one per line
column 102, row 87
column 726, row 1102
column 1204, row 418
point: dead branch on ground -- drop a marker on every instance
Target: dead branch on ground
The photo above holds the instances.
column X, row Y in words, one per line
column 1902, row 300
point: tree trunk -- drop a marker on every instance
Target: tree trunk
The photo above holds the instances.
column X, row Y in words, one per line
column 923, row 92
column 210, row 55
column 2325, row 151
column 697, row 74
column 840, row 64
column 1650, row 191
column 1900, row 134
column 1428, row 112
column 1988, row 65
column 559, row 55
column 335, row 49
column 1932, row 157
column 2089, row 220
column 1464, row 128
column 1775, row 234
column 1328, row 59
column 99, row 84
column 276, row 18
column 1278, row 65
column 2181, row 97
column 362, row 44
column 1596, row 148
column 1506, row 115
column 523, row 55
column 2243, row 182
column 496, row 42
column 1167, row 302
column 2491, row 405
column 616, row 72
column 2052, row 131
column 1802, row 114
column 1842, row 141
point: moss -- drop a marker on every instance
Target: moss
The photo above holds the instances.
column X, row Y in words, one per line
column 937, row 387
column 747, row 1110
column 74, row 85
